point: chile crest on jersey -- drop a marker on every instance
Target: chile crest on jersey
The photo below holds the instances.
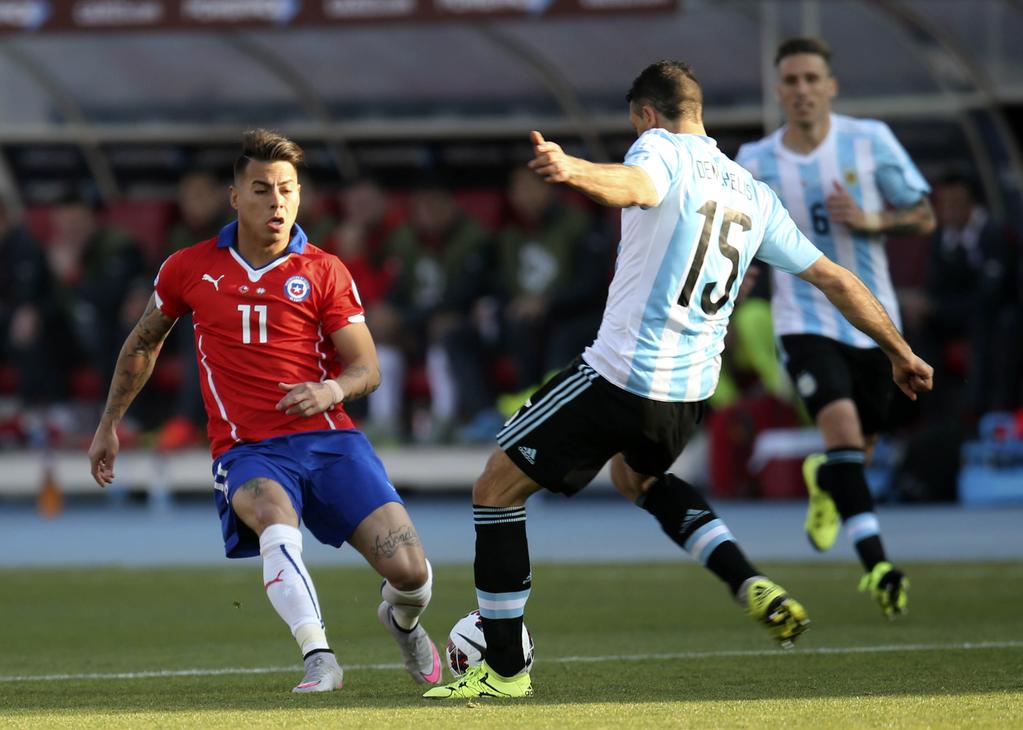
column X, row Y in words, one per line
column 297, row 288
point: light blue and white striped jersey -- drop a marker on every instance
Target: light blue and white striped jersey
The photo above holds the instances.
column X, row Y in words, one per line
column 865, row 158
column 680, row 265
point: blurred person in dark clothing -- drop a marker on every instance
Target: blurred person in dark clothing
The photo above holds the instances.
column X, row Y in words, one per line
column 967, row 297
column 554, row 268
column 202, row 208
column 317, row 217
column 203, row 211
column 442, row 259
column 28, row 318
column 369, row 216
column 101, row 279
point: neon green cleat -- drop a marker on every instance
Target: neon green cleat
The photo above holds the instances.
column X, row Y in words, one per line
column 784, row 617
column 482, row 681
column 822, row 518
column 889, row 587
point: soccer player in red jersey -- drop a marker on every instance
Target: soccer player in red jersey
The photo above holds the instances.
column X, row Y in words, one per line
column 271, row 314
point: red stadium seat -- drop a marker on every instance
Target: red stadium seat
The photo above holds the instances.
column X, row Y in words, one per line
column 168, row 374
column 145, row 219
column 907, row 260
column 417, row 386
column 487, row 206
column 8, row 379
column 86, row 384
column 956, row 356
column 38, row 221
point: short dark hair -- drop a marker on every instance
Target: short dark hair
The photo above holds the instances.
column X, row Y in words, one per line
column 671, row 88
column 794, row 46
column 354, row 181
column 432, row 180
column 961, row 180
column 265, row 145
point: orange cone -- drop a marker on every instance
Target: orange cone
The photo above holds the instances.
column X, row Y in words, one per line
column 50, row 501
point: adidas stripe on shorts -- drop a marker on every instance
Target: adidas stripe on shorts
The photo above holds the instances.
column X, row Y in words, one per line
column 571, row 427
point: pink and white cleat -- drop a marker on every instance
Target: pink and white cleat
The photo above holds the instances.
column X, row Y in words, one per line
column 421, row 657
column 322, row 674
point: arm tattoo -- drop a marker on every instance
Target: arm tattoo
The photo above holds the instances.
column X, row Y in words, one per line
column 386, row 546
column 136, row 361
column 364, row 385
column 907, row 221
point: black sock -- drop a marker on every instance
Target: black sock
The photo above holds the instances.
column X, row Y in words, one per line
column 689, row 521
column 842, row 477
column 871, row 551
column 502, row 574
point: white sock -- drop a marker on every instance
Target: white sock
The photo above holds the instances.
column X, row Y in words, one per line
column 289, row 587
column 442, row 384
column 385, row 401
column 408, row 606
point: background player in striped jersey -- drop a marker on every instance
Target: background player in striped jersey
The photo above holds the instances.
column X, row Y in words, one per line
column 846, row 182
column 271, row 314
column 693, row 222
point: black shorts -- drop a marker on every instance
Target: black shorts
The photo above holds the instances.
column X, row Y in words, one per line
column 825, row 370
column 571, row 427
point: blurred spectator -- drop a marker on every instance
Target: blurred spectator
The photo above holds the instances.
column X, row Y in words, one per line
column 554, row 269
column 102, row 282
column 316, row 216
column 442, row 270
column 203, row 211
column 202, row 208
column 963, row 320
column 27, row 315
column 368, row 218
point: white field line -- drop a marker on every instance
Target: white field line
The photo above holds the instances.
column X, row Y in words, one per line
column 880, row 648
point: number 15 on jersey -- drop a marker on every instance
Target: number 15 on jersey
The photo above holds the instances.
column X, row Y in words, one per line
column 731, row 216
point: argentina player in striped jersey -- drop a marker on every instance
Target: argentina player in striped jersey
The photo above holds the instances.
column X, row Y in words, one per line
column 836, row 175
column 692, row 222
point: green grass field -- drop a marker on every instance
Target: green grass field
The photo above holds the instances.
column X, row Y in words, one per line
column 624, row 646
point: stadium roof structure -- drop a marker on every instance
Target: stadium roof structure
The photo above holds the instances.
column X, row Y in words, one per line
column 456, row 69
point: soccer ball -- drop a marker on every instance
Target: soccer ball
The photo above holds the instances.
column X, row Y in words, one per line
column 467, row 647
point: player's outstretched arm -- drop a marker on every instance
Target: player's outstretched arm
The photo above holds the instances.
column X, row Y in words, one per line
column 360, row 377
column 855, row 301
column 616, row 186
column 134, row 366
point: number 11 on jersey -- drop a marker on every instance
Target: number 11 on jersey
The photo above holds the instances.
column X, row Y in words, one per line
column 246, row 310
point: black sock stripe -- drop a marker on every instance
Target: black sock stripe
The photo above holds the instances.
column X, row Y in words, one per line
column 318, row 651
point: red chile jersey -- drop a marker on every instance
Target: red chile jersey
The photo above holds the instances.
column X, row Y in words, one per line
column 255, row 328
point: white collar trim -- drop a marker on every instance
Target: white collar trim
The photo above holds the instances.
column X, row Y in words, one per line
column 256, row 274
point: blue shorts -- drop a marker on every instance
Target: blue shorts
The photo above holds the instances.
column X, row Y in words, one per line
column 334, row 479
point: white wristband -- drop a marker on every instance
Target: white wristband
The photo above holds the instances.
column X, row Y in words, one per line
column 335, row 388
column 872, row 222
